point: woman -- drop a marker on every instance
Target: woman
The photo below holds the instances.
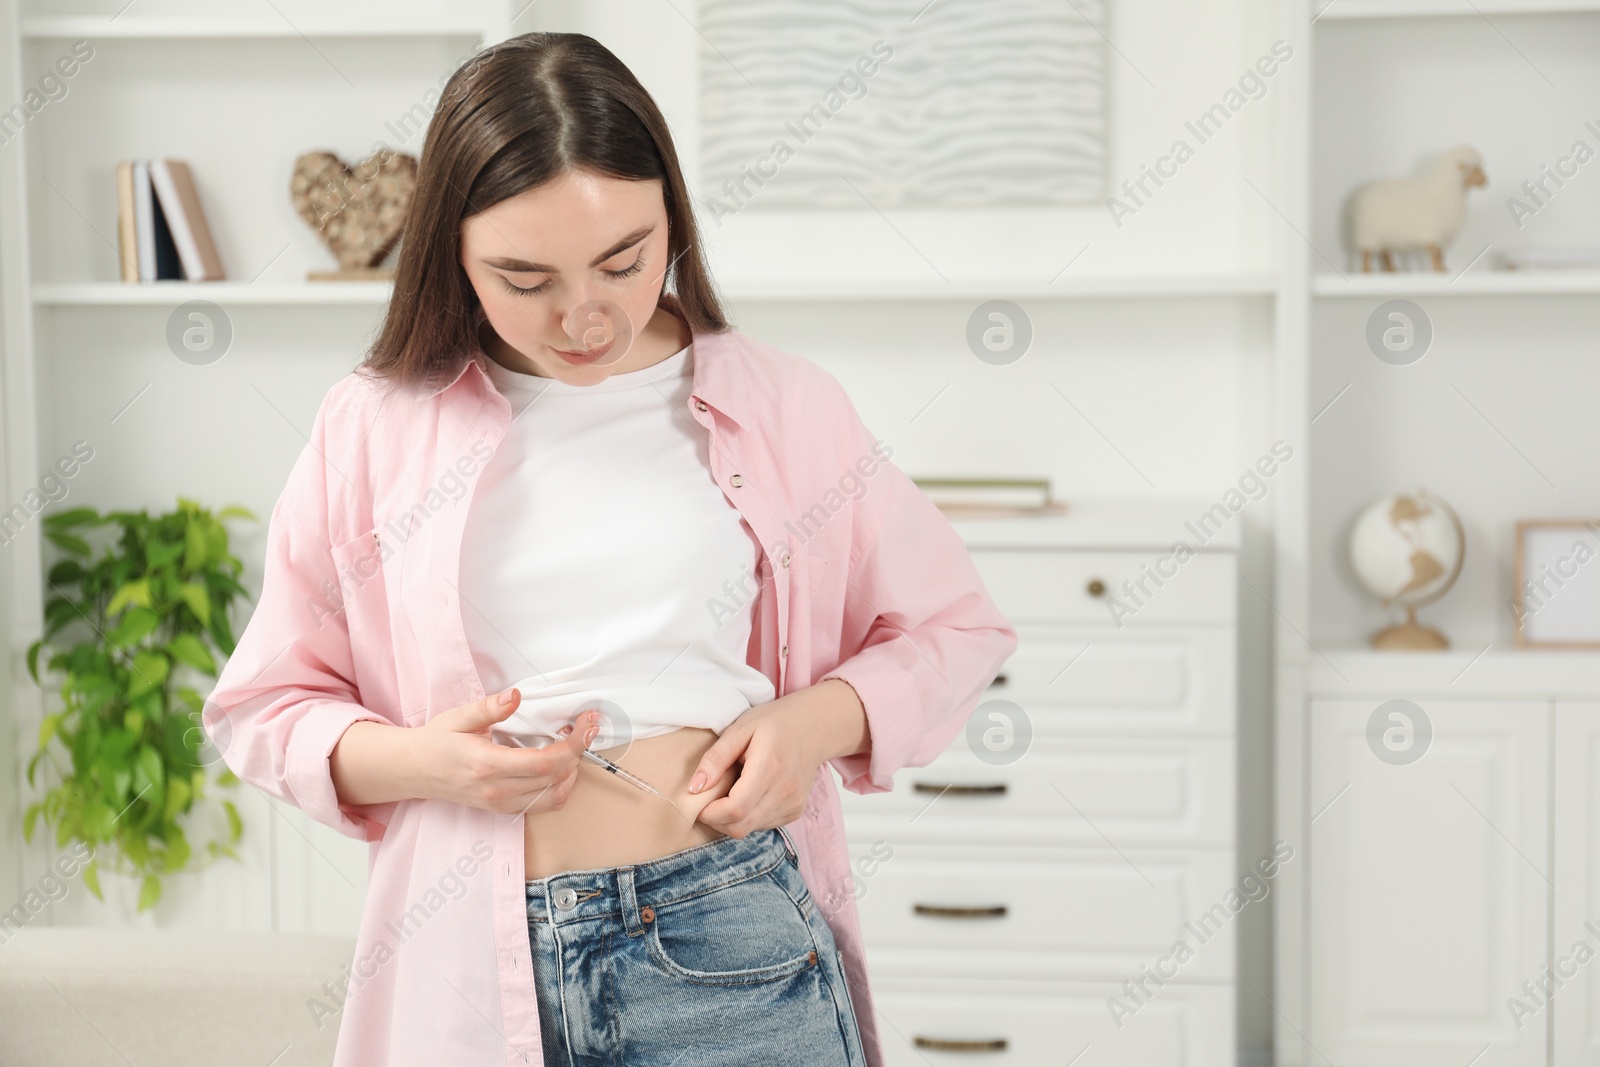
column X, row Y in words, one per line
column 563, row 499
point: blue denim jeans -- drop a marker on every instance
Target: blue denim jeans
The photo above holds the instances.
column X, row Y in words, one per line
column 716, row 955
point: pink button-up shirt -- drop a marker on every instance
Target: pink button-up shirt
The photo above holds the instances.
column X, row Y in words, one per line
column 862, row 578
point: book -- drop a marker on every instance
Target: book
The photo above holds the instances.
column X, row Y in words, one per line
column 1552, row 259
column 991, row 496
column 144, row 223
column 169, row 268
column 127, row 227
column 1001, row 511
column 180, row 204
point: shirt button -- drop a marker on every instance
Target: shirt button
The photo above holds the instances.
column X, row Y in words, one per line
column 784, row 651
column 701, row 404
column 566, row 898
column 785, row 559
column 736, row 481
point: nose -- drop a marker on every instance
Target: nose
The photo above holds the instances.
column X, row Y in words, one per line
column 595, row 322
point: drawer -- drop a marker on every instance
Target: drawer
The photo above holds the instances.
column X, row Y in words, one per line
column 1086, row 588
column 1092, row 914
column 1153, row 682
column 1175, row 793
column 1026, row 1024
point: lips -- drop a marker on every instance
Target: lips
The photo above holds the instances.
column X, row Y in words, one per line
column 585, row 358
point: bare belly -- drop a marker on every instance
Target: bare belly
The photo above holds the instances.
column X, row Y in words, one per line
column 607, row 822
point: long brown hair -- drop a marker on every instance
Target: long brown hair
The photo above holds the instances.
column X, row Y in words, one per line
column 519, row 113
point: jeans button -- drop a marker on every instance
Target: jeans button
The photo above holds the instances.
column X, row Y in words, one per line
column 566, row 899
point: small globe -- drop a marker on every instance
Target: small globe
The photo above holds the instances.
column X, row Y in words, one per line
column 1407, row 549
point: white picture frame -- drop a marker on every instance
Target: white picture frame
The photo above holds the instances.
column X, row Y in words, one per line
column 1556, row 584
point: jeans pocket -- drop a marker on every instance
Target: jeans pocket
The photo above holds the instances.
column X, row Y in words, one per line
column 739, row 934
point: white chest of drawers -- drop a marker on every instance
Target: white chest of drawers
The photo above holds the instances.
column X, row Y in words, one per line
column 1023, row 896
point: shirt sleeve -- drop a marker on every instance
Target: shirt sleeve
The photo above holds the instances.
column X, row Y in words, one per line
column 287, row 693
column 931, row 639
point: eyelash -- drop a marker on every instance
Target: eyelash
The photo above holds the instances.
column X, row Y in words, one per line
column 626, row 272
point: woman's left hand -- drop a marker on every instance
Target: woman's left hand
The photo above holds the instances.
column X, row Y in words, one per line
column 780, row 746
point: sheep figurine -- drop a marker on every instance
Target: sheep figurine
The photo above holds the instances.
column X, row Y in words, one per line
column 1424, row 212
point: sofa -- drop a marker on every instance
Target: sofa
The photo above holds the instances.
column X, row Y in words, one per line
column 85, row 997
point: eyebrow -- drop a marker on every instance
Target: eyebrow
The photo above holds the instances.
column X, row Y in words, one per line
column 522, row 266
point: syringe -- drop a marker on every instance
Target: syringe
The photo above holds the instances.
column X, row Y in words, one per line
column 626, row 776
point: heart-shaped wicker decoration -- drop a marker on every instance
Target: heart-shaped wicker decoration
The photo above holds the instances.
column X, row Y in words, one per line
column 358, row 213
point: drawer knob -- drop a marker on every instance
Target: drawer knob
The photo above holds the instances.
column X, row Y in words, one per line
column 950, row 911
column 947, row 1044
column 1096, row 587
column 997, row 789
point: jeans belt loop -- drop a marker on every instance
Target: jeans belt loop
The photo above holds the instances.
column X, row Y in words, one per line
column 631, row 922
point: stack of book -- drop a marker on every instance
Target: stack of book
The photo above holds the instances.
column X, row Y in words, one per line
column 974, row 497
column 161, row 232
column 1552, row 259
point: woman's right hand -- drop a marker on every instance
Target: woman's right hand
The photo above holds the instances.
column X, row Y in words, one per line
column 465, row 765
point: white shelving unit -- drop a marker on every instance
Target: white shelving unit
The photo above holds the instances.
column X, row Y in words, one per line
column 831, row 290
column 1376, row 957
column 53, row 28
column 1401, row 9
column 229, row 89
column 1469, row 283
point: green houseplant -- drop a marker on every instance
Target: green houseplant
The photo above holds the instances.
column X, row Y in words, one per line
column 147, row 611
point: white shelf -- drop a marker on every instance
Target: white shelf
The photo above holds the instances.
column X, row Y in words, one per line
column 1472, row 283
column 1382, row 9
column 173, row 293
column 1082, row 287
column 97, row 28
column 1347, row 671
column 374, row 293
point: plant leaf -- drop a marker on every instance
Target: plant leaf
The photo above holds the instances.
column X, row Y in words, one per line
column 149, row 892
column 91, row 879
column 72, row 517
column 48, row 726
column 234, row 511
column 97, row 818
column 137, row 624
column 148, row 766
column 59, row 611
column 30, row 817
column 67, row 542
column 177, row 797
column 163, row 554
column 136, row 592
column 121, row 783
column 150, row 669
column 66, row 572
column 198, row 597
column 235, row 824
column 196, row 547
column 177, row 854
column 187, row 648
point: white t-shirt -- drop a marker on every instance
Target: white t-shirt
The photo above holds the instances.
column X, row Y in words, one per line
column 601, row 566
